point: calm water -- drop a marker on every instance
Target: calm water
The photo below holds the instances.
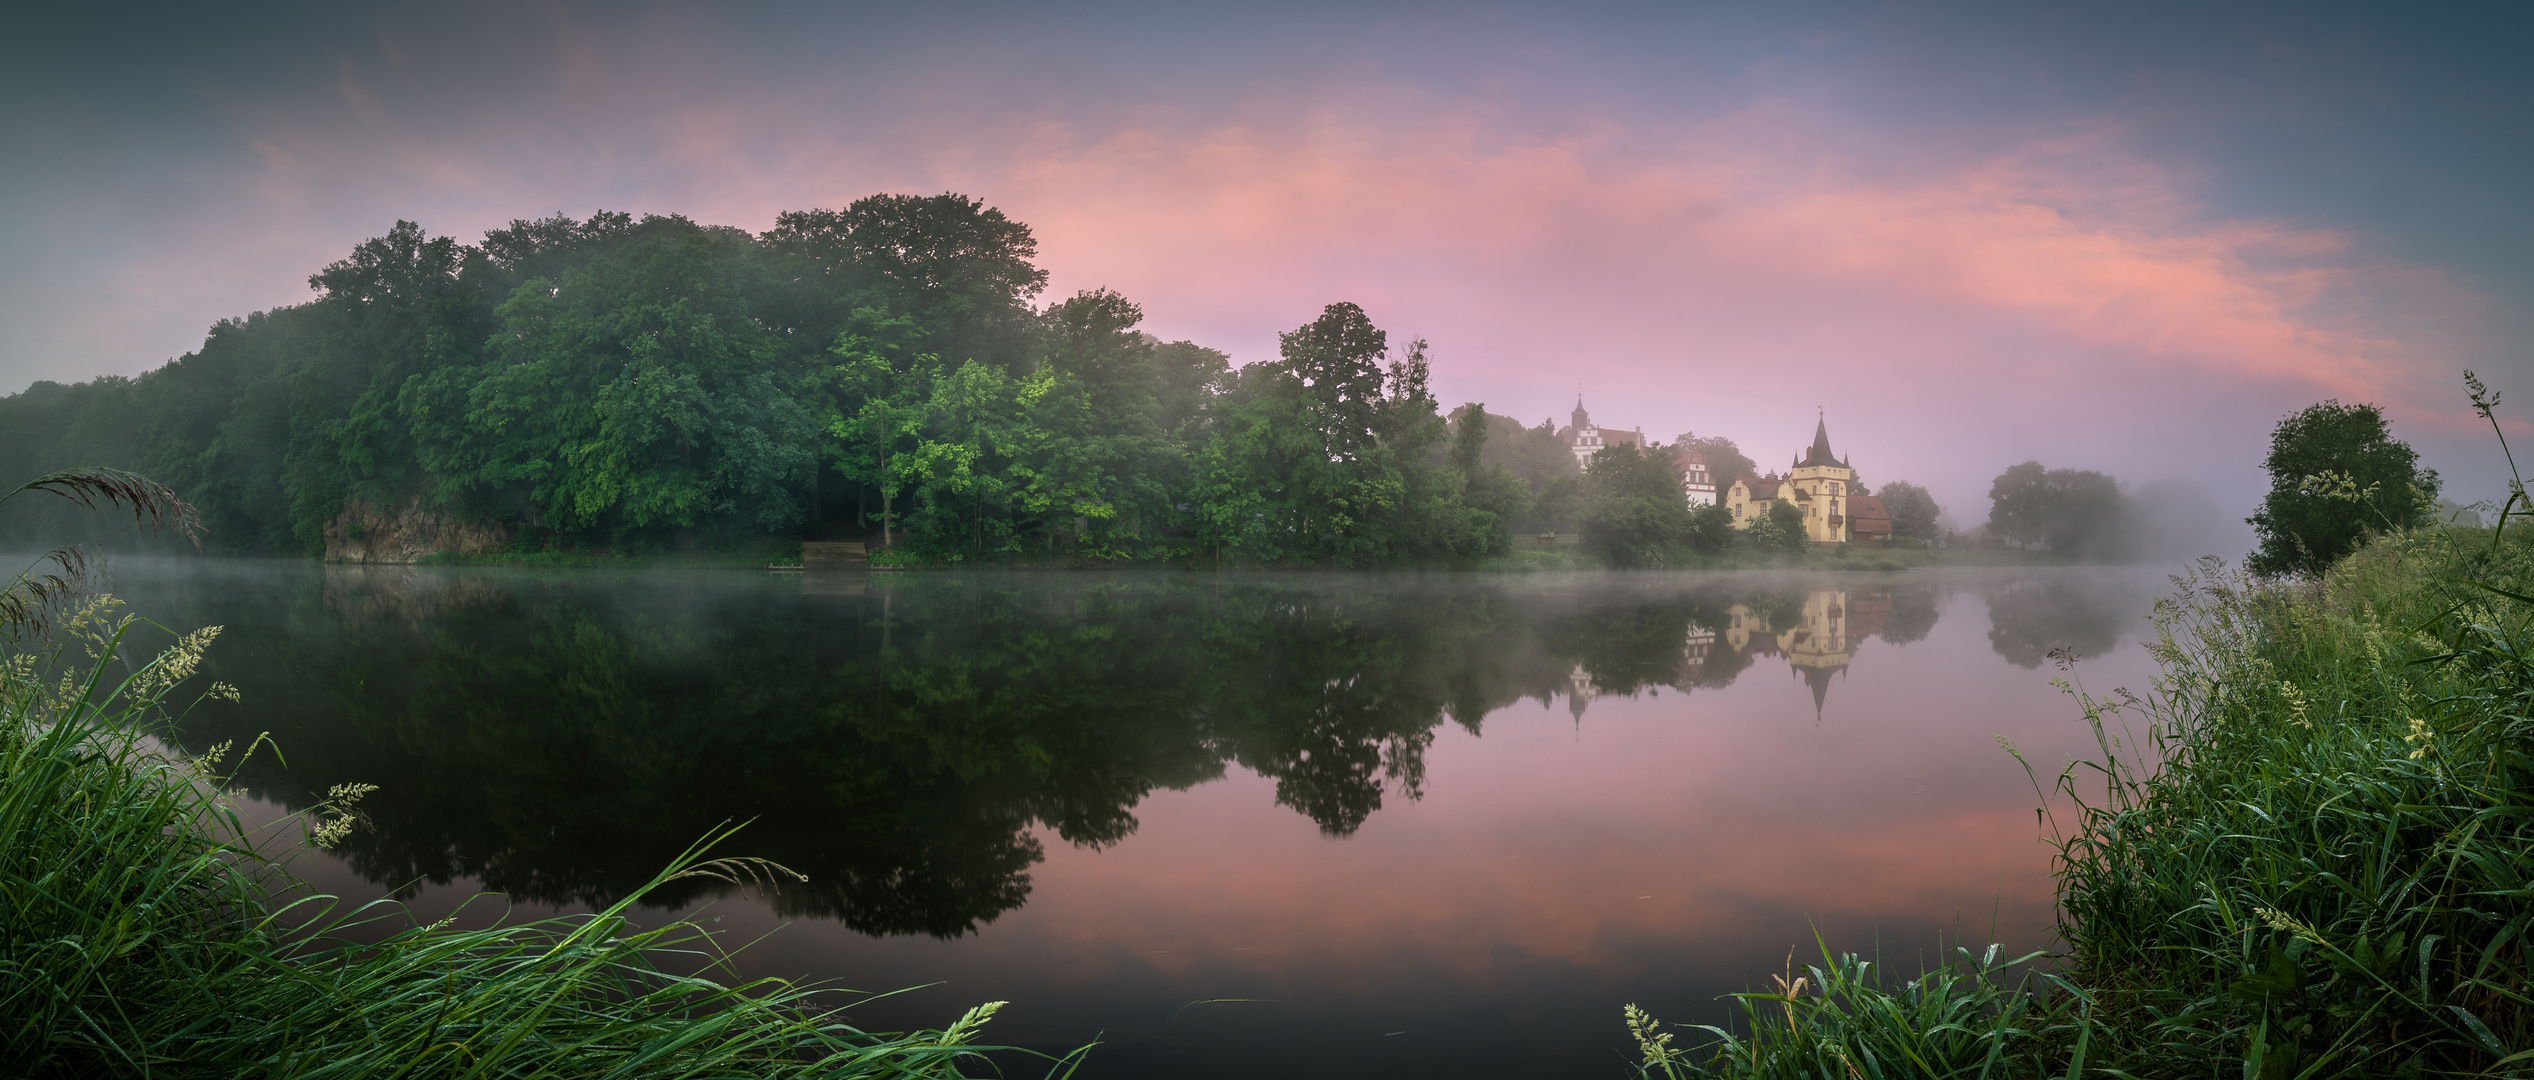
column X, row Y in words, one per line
column 1249, row 826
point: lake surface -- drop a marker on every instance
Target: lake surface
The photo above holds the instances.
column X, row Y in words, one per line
column 1247, row 825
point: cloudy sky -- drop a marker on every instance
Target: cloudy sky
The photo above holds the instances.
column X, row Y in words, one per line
column 2118, row 236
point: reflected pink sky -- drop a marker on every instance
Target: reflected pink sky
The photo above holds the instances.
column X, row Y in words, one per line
column 1665, row 849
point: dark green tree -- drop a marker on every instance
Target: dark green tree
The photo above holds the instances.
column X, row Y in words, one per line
column 1327, row 454
column 1337, row 359
column 1710, row 528
column 1190, row 380
column 1780, row 529
column 961, row 269
column 1489, row 490
column 1726, row 462
column 1560, row 503
column 2072, row 511
column 1637, row 515
column 2336, row 472
column 1913, row 510
column 1532, row 454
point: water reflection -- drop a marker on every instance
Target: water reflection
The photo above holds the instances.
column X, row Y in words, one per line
column 1481, row 810
column 2086, row 615
column 906, row 742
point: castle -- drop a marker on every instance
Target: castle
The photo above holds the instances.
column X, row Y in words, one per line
column 1584, row 439
column 1820, row 485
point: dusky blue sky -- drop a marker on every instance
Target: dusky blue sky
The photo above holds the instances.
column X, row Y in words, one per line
column 2117, row 236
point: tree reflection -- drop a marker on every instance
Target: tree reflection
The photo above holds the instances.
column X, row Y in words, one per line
column 905, row 742
column 2086, row 614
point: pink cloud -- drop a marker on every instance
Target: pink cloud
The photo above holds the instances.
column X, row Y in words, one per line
column 2057, row 296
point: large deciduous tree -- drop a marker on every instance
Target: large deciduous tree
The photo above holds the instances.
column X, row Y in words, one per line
column 1637, row 511
column 962, row 269
column 1912, row 509
column 1492, row 492
column 1726, row 462
column 2336, row 471
column 2074, row 511
column 1326, row 453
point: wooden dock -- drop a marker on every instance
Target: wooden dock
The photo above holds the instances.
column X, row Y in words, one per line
column 834, row 555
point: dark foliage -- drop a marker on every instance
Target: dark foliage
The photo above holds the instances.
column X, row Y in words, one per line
column 1637, row 513
column 2075, row 511
column 1913, row 510
column 2336, row 471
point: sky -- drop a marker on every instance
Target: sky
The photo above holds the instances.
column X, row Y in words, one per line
column 2128, row 237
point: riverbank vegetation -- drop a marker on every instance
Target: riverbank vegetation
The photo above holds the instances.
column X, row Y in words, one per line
column 618, row 387
column 147, row 930
column 2305, row 851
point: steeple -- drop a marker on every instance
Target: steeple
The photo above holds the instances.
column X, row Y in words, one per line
column 1820, row 680
column 1582, row 419
column 1820, row 453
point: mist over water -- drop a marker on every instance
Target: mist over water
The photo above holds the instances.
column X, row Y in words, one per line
column 2176, row 521
column 1428, row 822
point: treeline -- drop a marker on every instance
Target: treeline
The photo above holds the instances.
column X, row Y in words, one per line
column 2093, row 516
column 636, row 385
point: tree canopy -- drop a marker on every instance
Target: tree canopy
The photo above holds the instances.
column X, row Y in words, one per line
column 2075, row 511
column 1726, row 462
column 887, row 369
column 1912, row 509
column 2336, row 471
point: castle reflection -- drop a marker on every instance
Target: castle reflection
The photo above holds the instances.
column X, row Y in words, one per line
column 1817, row 632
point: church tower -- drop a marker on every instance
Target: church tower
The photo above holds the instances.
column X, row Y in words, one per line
column 1583, row 438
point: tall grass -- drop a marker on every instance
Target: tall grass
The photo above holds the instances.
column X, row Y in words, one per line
column 136, row 936
column 2308, row 851
column 1973, row 1016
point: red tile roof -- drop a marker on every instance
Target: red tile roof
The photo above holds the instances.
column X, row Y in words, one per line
column 1866, row 514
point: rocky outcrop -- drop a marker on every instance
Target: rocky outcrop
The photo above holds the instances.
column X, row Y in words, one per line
column 364, row 533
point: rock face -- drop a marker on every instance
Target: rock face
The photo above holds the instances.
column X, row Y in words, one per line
column 364, row 533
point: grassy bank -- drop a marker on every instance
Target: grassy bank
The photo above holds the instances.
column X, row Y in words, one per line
column 138, row 935
column 2308, row 851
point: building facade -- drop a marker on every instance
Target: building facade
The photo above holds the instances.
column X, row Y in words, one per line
column 1583, row 438
column 1819, row 484
column 1697, row 484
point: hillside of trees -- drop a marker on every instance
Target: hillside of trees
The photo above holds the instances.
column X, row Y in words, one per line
column 644, row 385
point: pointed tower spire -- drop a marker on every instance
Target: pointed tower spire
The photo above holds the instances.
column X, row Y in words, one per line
column 1820, row 454
column 1582, row 419
column 1820, row 680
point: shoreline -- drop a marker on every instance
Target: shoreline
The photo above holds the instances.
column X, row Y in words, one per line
column 2302, row 852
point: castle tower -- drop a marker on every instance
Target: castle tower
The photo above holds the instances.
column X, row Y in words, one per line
column 1818, row 483
column 1583, row 438
column 1821, row 484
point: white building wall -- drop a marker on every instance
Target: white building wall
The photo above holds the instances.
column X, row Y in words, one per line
column 1587, row 443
